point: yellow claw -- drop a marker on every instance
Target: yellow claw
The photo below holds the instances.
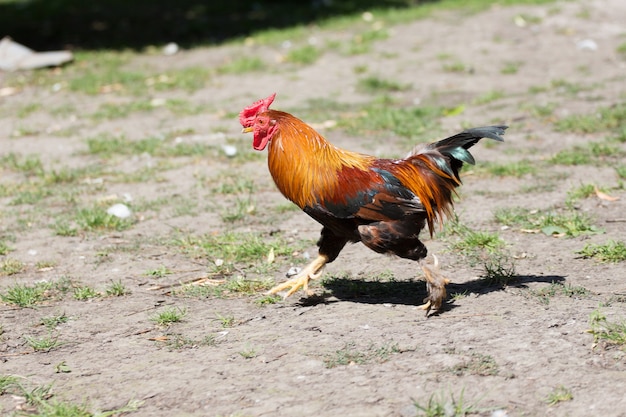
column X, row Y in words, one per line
column 312, row 271
column 436, row 286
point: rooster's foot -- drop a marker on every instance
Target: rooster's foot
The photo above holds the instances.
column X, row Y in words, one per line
column 436, row 287
column 312, row 271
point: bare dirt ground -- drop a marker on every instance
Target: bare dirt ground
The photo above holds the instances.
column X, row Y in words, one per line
column 496, row 348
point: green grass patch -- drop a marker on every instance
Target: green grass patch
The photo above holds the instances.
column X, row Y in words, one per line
column 559, row 395
column 11, row 266
column 243, row 65
column 169, row 316
column 43, row 344
column 471, row 242
column 542, row 111
column 611, row 251
column 242, row 207
column 570, row 88
column 438, row 405
column 593, row 153
column 117, row 289
column 108, row 111
column 510, row 67
column 233, row 184
column 4, row 248
column 178, row 341
column 499, row 269
column 609, row 333
column 107, row 145
column 29, row 165
column 189, row 79
column 233, row 249
column 41, row 402
column 477, row 364
column 8, row 383
column 509, row 169
column 380, row 118
column 230, row 288
column 51, row 322
column 304, row 55
column 84, row 293
column 570, row 224
column 489, row 97
column 605, row 118
column 159, row 272
column 581, row 192
column 554, row 289
column 454, row 67
column 375, row 84
column 97, row 219
column 350, row 354
column 23, row 295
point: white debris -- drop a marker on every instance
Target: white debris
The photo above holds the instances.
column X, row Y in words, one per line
column 229, row 150
column 294, row 270
column 170, row 49
column 158, row 102
column 587, row 45
column 119, row 210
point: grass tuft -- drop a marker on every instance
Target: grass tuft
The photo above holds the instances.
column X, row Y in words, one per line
column 349, row 355
column 478, row 364
column 375, row 84
column 551, row 223
column 440, row 406
column 546, row 293
column 117, row 289
column 607, row 332
column 24, row 295
column 169, row 316
column 611, row 251
column 43, row 344
column 558, row 395
column 10, row 266
column 605, row 118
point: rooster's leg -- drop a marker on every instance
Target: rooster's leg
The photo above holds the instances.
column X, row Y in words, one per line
column 436, row 286
column 312, row 271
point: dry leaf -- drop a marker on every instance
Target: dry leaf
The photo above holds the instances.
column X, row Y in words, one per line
column 604, row 196
column 159, row 339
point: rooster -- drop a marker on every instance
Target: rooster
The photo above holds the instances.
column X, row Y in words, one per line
column 383, row 203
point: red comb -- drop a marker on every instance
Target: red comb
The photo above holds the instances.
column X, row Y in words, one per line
column 247, row 115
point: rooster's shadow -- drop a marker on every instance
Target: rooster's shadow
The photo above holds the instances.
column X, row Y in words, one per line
column 411, row 292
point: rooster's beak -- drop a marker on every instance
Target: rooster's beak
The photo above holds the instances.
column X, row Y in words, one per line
column 247, row 130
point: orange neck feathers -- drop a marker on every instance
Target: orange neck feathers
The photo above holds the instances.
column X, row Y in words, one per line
column 304, row 166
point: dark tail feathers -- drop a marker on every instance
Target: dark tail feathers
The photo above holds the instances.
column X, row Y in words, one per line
column 456, row 146
column 449, row 154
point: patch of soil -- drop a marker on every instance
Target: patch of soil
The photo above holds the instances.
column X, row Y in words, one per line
column 361, row 347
